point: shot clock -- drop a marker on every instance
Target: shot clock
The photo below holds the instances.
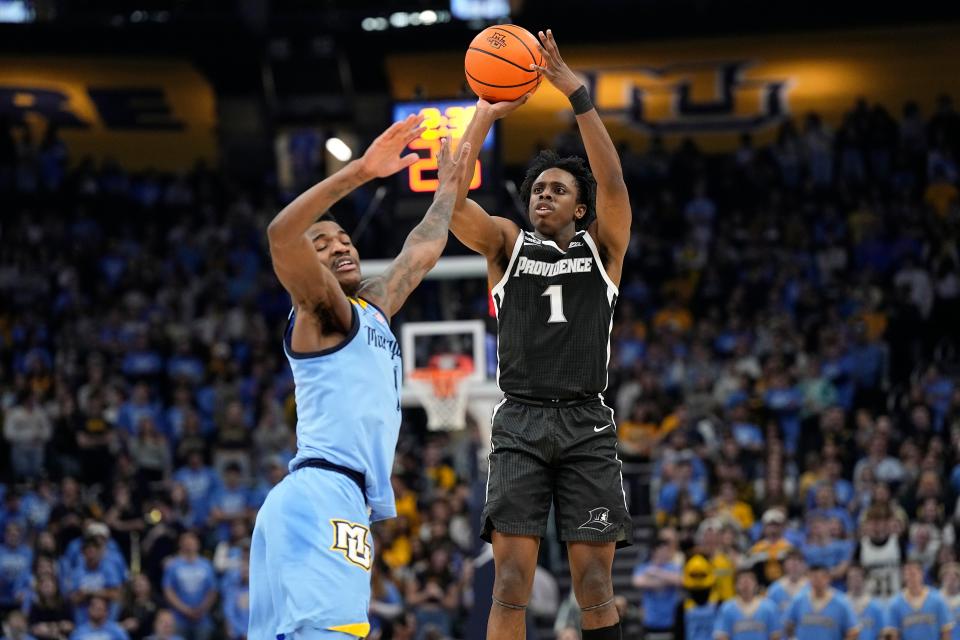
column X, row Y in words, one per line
column 442, row 118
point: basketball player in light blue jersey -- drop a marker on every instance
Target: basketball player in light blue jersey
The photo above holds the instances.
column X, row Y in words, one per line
column 311, row 553
column 871, row 612
column 748, row 615
column 918, row 612
column 821, row 612
column 950, row 589
column 793, row 583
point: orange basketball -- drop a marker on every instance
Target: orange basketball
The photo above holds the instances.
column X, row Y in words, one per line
column 498, row 63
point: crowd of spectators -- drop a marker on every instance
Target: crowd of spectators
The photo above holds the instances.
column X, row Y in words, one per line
column 784, row 356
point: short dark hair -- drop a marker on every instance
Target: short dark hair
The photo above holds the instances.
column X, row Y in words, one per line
column 326, row 216
column 575, row 166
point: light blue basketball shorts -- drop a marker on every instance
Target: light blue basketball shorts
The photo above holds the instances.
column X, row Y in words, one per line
column 310, row 559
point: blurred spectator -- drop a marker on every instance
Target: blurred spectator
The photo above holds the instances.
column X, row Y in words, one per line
column 231, row 501
column 236, row 604
column 164, row 626
column 49, row 614
column 27, row 428
column 770, row 551
column 764, row 622
column 820, row 611
column 139, row 608
column 16, row 559
column 98, row 625
column 433, row 593
column 189, row 586
column 94, row 577
column 880, row 552
column 659, row 580
column 918, row 611
column 15, row 627
column 784, row 590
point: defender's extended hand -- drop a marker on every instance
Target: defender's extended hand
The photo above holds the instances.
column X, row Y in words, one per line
column 554, row 68
column 452, row 170
column 382, row 157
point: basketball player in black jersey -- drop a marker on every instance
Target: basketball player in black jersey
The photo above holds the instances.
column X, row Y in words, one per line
column 554, row 291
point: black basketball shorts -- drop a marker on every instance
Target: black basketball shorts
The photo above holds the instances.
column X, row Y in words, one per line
column 564, row 455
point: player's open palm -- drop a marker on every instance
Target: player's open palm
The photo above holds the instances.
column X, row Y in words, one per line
column 451, row 169
column 383, row 158
column 554, row 68
column 503, row 108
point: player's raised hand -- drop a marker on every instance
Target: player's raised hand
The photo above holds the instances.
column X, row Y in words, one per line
column 499, row 110
column 451, row 166
column 382, row 158
column 554, row 68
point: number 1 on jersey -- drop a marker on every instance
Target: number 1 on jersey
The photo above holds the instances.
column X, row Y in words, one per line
column 555, row 292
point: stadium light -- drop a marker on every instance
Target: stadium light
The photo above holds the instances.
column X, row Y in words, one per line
column 338, row 149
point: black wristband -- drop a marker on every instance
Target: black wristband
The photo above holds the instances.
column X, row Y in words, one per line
column 580, row 100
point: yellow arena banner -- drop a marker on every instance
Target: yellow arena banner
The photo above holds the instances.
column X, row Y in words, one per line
column 146, row 114
column 714, row 90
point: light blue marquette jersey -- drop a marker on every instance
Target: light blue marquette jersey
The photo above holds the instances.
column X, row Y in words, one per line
column 348, row 403
column 871, row 616
column 734, row 623
column 953, row 604
column 925, row 622
column 833, row 621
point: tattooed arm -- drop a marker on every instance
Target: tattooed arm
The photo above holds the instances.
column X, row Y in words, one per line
column 426, row 241
column 310, row 282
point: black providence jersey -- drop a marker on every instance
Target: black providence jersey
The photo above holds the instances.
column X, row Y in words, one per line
column 554, row 315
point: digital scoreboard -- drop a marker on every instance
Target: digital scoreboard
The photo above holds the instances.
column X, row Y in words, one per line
column 443, row 118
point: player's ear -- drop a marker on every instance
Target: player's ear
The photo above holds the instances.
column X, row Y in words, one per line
column 580, row 211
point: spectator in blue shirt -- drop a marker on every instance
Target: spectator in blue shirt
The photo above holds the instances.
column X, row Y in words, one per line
column 16, row 559
column 821, row 613
column 112, row 553
column 136, row 407
column 94, row 578
column 918, row 612
column 164, row 627
column 825, row 505
column 822, row 549
column 871, row 612
column 785, row 401
column 99, row 626
column 229, row 502
column 681, row 481
column 190, row 587
column 200, row 481
column 236, row 605
column 747, row 616
column 660, row 581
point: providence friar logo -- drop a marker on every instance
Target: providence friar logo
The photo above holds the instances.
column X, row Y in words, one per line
column 599, row 520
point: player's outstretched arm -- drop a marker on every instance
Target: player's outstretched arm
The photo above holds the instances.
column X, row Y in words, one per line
column 471, row 224
column 309, row 282
column 426, row 241
column 613, row 201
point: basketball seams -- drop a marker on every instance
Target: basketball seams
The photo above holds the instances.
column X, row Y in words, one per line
column 502, row 86
column 502, row 59
column 514, row 79
column 533, row 58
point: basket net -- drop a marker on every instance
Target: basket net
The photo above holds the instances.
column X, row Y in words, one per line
column 442, row 391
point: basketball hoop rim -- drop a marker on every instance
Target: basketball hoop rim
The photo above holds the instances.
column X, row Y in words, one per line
column 445, row 382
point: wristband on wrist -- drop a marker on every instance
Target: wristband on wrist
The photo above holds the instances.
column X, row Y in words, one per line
column 580, row 101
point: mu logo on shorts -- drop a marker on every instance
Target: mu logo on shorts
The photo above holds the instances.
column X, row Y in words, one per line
column 599, row 520
column 351, row 539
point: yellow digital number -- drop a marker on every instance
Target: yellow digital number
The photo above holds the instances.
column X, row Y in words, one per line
column 421, row 184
